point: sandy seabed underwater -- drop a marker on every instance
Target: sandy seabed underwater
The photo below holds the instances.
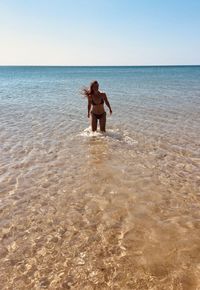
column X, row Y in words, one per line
column 119, row 210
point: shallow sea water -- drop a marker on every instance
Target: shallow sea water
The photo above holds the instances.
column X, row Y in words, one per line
column 83, row 210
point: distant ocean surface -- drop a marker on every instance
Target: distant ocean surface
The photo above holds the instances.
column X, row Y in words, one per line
column 119, row 210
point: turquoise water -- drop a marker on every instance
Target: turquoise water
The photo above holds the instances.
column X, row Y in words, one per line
column 136, row 93
column 100, row 211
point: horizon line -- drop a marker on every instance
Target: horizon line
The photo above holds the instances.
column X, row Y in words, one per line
column 114, row 65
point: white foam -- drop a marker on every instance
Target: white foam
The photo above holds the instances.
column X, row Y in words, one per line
column 110, row 134
column 89, row 133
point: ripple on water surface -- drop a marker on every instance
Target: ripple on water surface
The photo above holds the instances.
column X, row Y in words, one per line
column 83, row 210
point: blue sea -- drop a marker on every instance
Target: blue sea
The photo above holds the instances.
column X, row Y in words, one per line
column 83, row 210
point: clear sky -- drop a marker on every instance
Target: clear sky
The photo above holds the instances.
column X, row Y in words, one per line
column 99, row 32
